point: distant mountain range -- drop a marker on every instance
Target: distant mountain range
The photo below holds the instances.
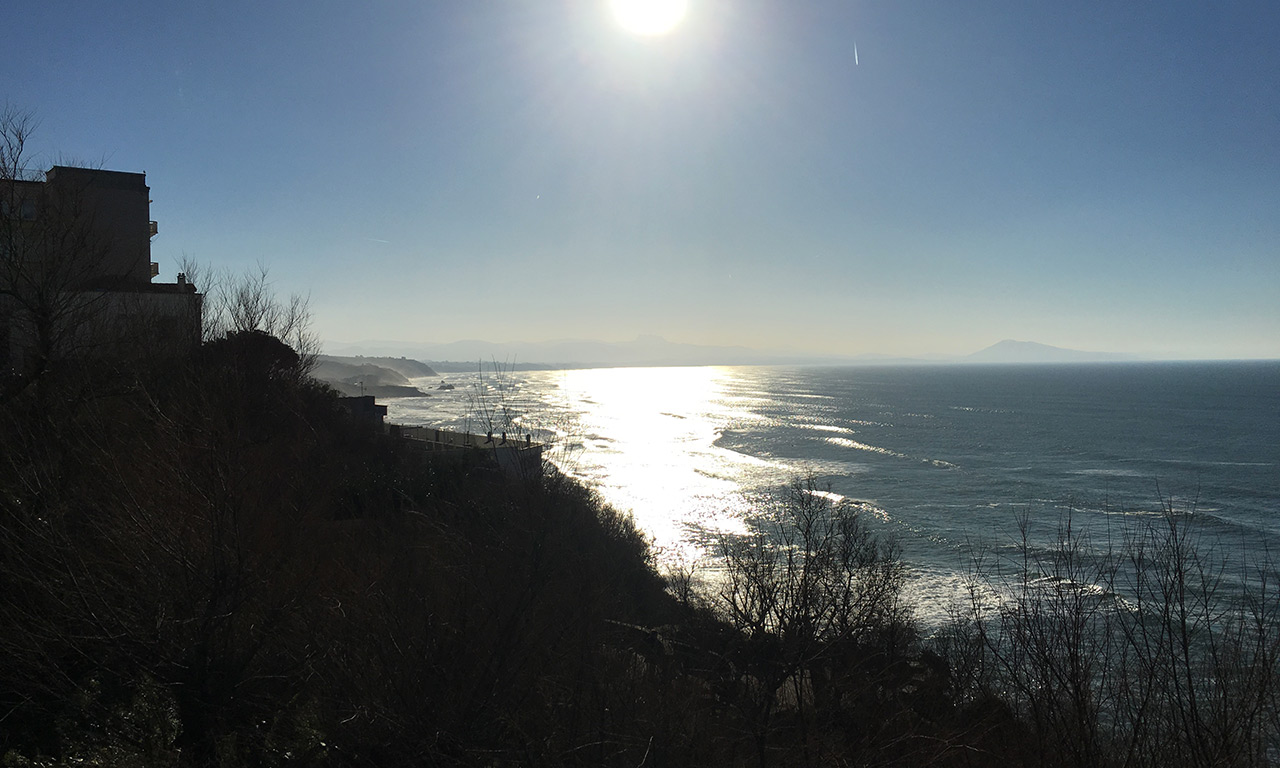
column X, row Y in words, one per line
column 656, row 351
column 1010, row 351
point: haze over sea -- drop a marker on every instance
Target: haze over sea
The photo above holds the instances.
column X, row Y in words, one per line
column 944, row 457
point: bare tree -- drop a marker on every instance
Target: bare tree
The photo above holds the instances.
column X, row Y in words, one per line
column 1143, row 651
column 248, row 303
column 808, row 590
column 16, row 127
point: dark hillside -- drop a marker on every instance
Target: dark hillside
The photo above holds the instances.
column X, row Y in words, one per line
column 219, row 567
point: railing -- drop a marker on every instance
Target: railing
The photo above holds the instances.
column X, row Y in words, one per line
column 444, row 438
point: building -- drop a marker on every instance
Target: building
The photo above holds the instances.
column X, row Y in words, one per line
column 365, row 410
column 76, row 272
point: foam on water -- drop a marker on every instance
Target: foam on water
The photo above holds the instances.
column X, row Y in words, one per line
column 854, row 444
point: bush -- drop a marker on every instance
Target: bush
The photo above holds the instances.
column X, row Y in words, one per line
column 1140, row 652
column 817, row 601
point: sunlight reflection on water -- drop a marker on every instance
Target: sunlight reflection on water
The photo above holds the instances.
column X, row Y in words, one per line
column 656, row 456
column 643, row 438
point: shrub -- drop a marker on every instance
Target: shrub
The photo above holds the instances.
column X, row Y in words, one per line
column 1139, row 652
column 817, row 601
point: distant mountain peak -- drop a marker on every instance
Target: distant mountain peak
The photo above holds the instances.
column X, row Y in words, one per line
column 1014, row 351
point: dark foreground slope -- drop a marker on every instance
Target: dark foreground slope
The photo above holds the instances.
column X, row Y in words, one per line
column 218, row 567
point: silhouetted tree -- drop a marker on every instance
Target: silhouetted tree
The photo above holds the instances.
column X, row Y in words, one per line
column 1136, row 652
column 249, row 304
column 810, row 590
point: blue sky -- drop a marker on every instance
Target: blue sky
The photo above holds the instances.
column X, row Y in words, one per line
column 1096, row 175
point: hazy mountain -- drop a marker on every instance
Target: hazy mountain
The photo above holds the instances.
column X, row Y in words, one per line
column 1010, row 351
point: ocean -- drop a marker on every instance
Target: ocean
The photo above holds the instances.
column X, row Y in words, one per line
column 944, row 458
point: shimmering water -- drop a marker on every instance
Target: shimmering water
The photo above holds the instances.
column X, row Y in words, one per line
column 942, row 457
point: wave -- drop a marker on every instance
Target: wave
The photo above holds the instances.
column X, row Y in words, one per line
column 830, row 496
column 1108, row 472
column 861, row 505
column 863, row 423
column 835, row 428
column 845, row 442
column 873, row 509
column 826, row 428
column 1201, row 463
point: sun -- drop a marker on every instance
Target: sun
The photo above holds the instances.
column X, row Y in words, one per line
column 649, row 17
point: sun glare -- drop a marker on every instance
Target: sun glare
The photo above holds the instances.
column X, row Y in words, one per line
column 649, row 17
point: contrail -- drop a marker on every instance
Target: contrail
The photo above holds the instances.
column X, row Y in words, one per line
column 855, row 53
